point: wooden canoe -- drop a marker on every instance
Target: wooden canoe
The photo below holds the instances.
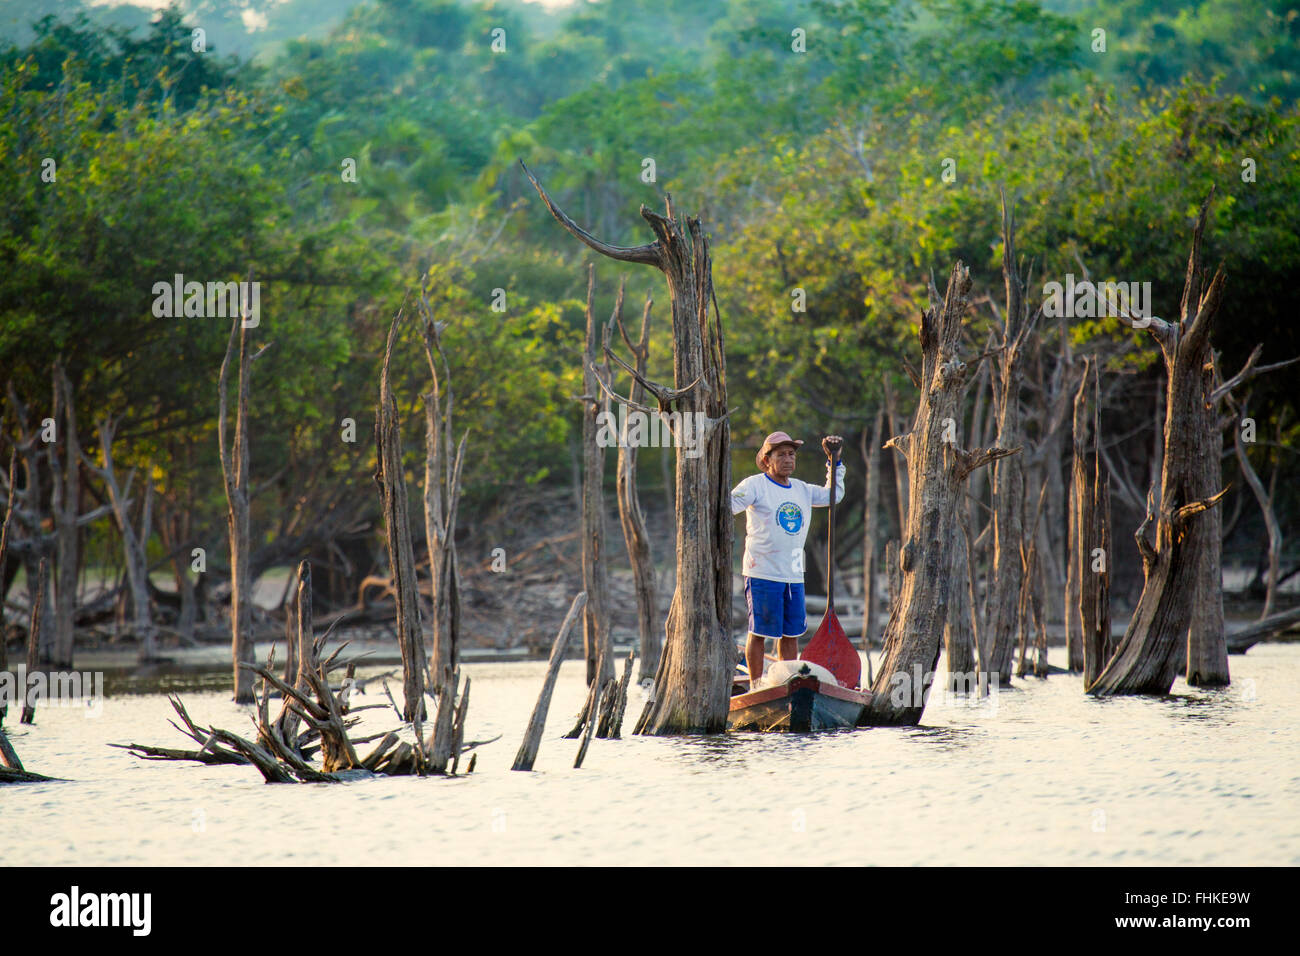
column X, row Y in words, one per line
column 803, row 703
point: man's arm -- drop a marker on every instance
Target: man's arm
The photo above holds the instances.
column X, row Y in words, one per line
column 821, row 497
column 742, row 496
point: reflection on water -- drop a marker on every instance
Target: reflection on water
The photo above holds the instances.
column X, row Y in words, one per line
column 1044, row 775
column 945, row 738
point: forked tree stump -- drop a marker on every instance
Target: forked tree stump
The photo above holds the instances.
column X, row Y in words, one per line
column 937, row 468
column 1151, row 651
column 693, row 683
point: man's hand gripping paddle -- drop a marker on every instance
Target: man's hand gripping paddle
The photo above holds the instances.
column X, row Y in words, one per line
column 830, row 647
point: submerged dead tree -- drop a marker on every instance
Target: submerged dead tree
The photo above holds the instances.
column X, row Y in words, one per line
column 693, row 682
column 998, row 638
column 298, row 639
column 65, row 500
column 397, row 530
column 133, row 540
column 235, row 473
column 1148, row 656
column 11, row 768
column 35, row 545
column 937, row 468
column 442, row 471
column 1090, row 553
column 1264, row 498
column 33, row 647
column 532, row 741
column 4, row 553
column 282, row 755
column 595, row 573
column 870, row 508
column 1207, row 639
column 630, row 515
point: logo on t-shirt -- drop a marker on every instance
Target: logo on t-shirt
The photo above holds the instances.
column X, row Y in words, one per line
column 790, row 517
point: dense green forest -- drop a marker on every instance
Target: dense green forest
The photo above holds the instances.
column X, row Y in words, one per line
column 838, row 153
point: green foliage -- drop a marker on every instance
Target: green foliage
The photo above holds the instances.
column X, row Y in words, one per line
column 821, row 170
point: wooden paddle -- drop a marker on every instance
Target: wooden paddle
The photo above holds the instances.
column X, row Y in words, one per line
column 830, row 647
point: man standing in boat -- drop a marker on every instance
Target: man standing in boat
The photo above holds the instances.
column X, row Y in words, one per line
column 777, row 510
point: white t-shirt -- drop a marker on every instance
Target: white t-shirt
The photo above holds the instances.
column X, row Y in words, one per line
column 776, row 522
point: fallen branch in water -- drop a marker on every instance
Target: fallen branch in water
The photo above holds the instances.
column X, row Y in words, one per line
column 11, row 768
column 1272, row 626
column 537, row 722
column 281, row 754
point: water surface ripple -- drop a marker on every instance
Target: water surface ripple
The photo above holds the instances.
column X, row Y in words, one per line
column 1046, row 775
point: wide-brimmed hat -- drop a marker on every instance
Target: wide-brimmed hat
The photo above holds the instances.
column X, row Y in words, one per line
column 772, row 440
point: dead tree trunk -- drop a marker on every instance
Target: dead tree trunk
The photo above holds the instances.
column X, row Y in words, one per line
column 1207, row 643
column 133, row 541
column 4, row 552
column 1090, row 549
column 234, row 470
column 527, row 754
column 442, row 474
column 397, row 527
column 11, row 768
column 1204, row 655
column 1148, row 655
column 629, row 508
column 290, row 632
column 1076, row 630
column 937, row 468
column 1052, row 540
column 33, row 647
column 65, row 503
column 958, row 632
column 870, row 502
column 898, row 462
column 1074, row 580
column 174, row 530
column 1006, row 571
column 37, row 546
column 1265, row 501
column 301, row 644
column 595, row 574
column 693, row 683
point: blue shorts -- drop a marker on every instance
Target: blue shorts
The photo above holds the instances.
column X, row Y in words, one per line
column 776, row 608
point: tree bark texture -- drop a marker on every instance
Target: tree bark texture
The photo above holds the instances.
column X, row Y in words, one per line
column 1090, row 549
column 33, row 646
column 958, row 630
column 870, row 505
column 937, row 470
column 1006, row 572
column 595, row 571
column 693, row 684
column 65, row 504
column 397, row 527
column 1149, row 656
column 1265, row 501
column 1206, row 649
column 631, row 517
column 133, row 542
column 532, row 741
column 442, row 473
column 4, row 551
column 235, row 472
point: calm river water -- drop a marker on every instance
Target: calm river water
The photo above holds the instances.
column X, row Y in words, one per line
column 1040, row 775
